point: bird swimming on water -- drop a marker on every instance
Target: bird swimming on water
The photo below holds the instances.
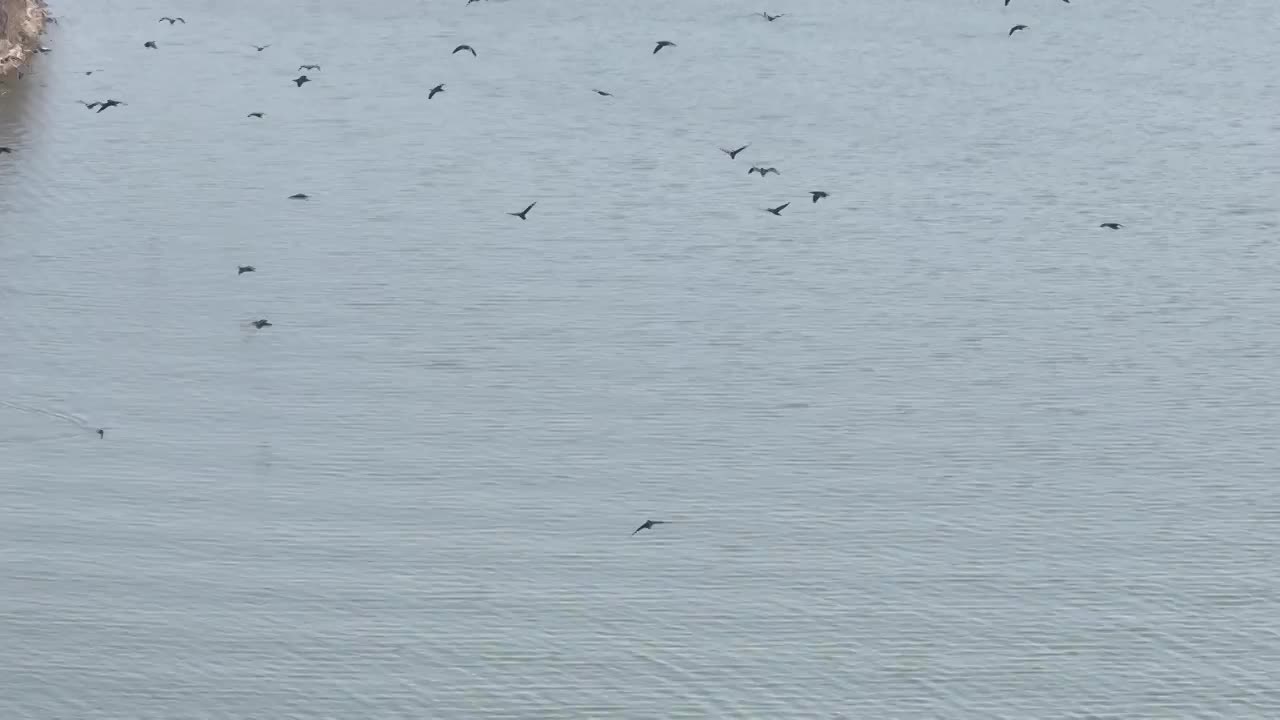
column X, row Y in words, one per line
column 437, row 89
column 460, row 48
column 778, row 210
column 1111, row 226
column 261, row 324
column 254, row 114
column 245, row 268
column 733, row 154
column 661, row 44
column 817, row 195
column 299, row 196
column 524, row 212
column 308, row 67
column 763, row 171
column 173, row 20
column 301, row 79
column 648, row 525
column 150, row 44
column 1016, row 28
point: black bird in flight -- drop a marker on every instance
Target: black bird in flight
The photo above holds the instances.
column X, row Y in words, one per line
column 150, row 44
column 1111, row 226
column 763, row 171
column 771, row 18
column 299, row 196
column 733, row 154
column 817, row 195
column 464, row 47
column 648, row 525
column 173, row 20
column 107, row 103
column 301, row 79
column 1016, row 28
column 101, row 434
column 257, row 115
column 90, row 72
column 778, row 210
column 602, row 93
column 661, row 44
column 4, row 150
column 524, row 212
column 260, row 48
column 308, row 67
column 261, row 324
column 437, row 89
column 244, row 269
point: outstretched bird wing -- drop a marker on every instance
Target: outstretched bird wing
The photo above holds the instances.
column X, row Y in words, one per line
column 526, row 210
column 646, row 524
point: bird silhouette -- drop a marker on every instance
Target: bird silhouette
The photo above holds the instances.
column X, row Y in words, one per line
column 464, row 47
column 254, row 114
column 763, row 171
column 299, row 196
column 308, row 67
column 90, row 105
column 301, row 79
column 733, row 154
column 771, row 18
column 261, row 324
column 244, row 269
column 778, row 210
column 602, row 93
column 524, row 212
column 260, row 48
column 817, row 195
column 1016, row 28
column 150, row 44
column 108, row 103
column 661, row 44
column 101, row 434
column 648, row 525
column 173, row 20
column 437, row 89
column 1111, row 226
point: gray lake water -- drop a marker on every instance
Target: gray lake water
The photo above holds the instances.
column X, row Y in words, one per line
column 937, row 446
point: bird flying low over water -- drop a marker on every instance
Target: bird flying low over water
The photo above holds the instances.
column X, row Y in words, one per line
column 244, row 269
column 172, row 20
column 1111, row 226
column 150, row 44
column 299, row 196
column 437, row 89
column 648, row 525
column 301, row 79
column 1016, row 28
column 817, row 195
column 733, row 154
column 602, row 93
column 260, row 48
column 308, row 67
column 769, row 17
column 254, row 114
column 524, row 212
column 261, row 324
column 103, row 105
column 661, row 44
column 460, row 48
column 763, row 171
column 778, row 210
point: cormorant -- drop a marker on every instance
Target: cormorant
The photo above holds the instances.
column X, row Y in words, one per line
column 524, row 212
column 437, row 89
column 301, row 79
column 661, row 44
column 1016, row 28
column 1111, row 226
column 464, row 47
column 733, row 154
column 817, row 195
column 245, row 268
column 778, row 210
column 648, row 524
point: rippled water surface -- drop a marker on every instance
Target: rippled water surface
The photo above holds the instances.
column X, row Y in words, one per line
column 937, row 446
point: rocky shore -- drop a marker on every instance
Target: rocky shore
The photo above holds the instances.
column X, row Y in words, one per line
column 21, row 24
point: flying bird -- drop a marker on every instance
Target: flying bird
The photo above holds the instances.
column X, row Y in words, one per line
column 437, row 89
column 661, row 44
column 244, row 269
column 150, row 44
column 648, row 525
column 260, row 48
column 308, row 67
column 173, row 20
column 101, row 434
column 464, row 47
column 524, row 212
column 89, row 105
column 1016, row 28
column 90, row 72
column 108, row 103
column 733, row 154
column 299, row 196
column 778, row 210
column 1111, row 226
column 301, row 79
column 602, row 93
column 763, row 171
column 254, row 114
column 261, row 324
column 817, row 195
column 771, row 18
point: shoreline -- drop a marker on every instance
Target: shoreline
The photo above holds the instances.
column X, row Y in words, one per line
column 22, row 22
